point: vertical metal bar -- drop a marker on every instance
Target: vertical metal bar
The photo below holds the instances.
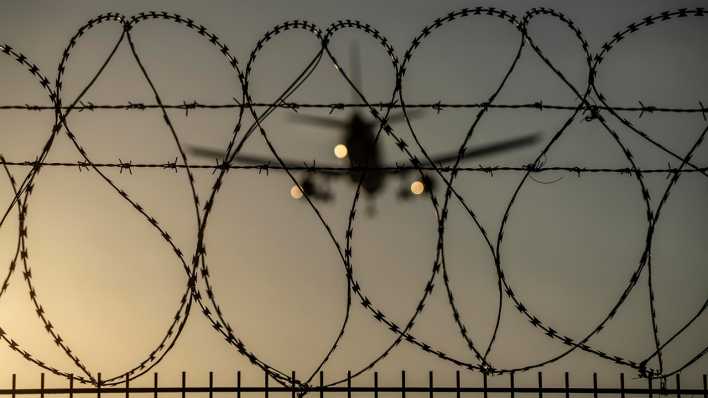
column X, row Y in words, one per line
column 678, row 385
column 154, row 377
column 403, row 384
column 292, row 394
column 621, row 385
column 71, row 386
column 540, row 385
column 184, row 384
column 484, row 381
column 594, row 384
column 41, row 385
column 376, row 384
column 650, row 383
column 511, row 383
column 238, row 384
column 457, row 383
column 14, row 384
column 266, row 383
column 211, row 384
column 98, row 386
column 430, row 384
column 321, row 384
column 127, row 386
column 567, row 385
column 705, row 386
column 349, row 384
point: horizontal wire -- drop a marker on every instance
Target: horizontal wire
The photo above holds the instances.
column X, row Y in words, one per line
column 333, row 106
column 313, row 168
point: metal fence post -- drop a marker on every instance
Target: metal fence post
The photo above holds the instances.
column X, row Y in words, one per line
column 266, row 383
column 540, row 385
column 349, row 384
column 511, row 383
column 211, row 384
column 292, row 384
column 430, row 384
column 457, row 383
column 649, row 382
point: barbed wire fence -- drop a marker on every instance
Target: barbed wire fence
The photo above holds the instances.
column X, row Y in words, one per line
column 591, row 106
column 375, row 388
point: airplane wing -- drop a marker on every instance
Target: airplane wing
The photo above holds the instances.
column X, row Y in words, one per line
column 323, row 121
column 427, row 183
column 489, row 149
column 398, row 116
column 213, row 153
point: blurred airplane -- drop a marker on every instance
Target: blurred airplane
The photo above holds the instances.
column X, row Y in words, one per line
column 359, row 148
column 361, row 151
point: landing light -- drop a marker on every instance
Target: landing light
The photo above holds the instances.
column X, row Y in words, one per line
column 417, row 187
column 295, row 192
column 340, row 151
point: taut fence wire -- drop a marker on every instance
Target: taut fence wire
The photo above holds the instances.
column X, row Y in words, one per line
column 591, row 105
column 438, row 106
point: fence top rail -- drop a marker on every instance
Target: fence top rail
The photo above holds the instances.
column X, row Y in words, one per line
column 369, row 389
column 649, row 389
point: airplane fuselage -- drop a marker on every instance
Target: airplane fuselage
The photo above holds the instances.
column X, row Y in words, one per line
column 363, row 152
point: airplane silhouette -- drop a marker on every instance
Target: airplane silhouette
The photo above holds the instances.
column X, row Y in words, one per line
column 360, row 150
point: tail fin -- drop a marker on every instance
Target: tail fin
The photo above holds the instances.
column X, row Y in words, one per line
column 355, row 70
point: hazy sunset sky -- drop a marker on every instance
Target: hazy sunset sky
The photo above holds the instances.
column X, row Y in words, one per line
column 110, row 285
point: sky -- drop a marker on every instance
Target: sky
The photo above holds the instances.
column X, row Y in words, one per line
column 110, row 285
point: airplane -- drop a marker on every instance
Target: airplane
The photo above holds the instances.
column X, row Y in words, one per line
column 358, row 147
